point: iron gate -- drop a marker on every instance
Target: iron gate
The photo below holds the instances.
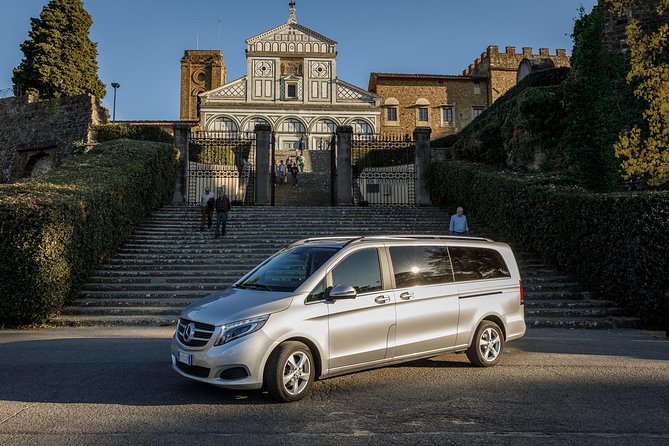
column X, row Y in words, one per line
column 221, row 160
column 384, row 170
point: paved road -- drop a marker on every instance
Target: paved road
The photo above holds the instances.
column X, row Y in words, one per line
column 554, row 387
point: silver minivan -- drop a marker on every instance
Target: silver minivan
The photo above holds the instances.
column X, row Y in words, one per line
column 324, row 307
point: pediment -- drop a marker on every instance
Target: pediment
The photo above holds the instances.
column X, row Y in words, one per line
column 350, row 93
column 233, row 90
column 292, row 35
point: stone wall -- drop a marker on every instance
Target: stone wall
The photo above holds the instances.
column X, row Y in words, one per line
column 615, row 34
column 501, row 68
column 440, row 91
column 39, row 135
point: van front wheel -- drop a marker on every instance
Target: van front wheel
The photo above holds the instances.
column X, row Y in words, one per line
column 487, row 346
column 289, row 372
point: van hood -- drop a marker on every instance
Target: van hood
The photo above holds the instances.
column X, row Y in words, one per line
column 234, row 304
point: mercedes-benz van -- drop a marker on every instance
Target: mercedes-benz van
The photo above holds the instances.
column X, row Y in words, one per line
column 323, row 307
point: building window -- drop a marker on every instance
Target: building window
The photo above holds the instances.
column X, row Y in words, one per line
column 291, row 91
column 477, row 111
column 391, row 114
column 423, row 114
column 477, row 87
column 447, row 115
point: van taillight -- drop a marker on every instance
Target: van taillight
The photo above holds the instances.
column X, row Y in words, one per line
column 522, row 293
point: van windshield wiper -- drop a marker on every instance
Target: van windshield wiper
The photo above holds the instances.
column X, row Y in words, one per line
column 256, row 286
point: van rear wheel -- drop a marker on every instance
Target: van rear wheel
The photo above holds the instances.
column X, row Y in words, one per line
column 289, row 372
column 487, row 346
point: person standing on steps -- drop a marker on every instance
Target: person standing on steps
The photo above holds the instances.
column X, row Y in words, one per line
column 282, row 172
column 206, row 207
column 294, row 170
column 300, row 146
column 459, row 225
column 223, row 206
column 300, row 162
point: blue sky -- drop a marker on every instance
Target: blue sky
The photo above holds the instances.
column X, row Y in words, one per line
column 141, row 42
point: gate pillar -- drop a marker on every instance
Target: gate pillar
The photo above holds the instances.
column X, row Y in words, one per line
column 423, row 160
column 263, row 172
column 344, row 145
column 181, row 131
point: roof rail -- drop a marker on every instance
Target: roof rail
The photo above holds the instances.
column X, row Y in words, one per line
column 350, row 238
column 428, row 237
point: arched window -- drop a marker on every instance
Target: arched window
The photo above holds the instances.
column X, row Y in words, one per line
column 250, row 125
column 223, row 125
column 325, row 126
column 291, row 125
column 361, row 127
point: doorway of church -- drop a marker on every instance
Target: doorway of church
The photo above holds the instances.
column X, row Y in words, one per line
column 301, row 175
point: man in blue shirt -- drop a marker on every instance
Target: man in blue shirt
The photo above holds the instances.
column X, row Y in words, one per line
column 459, row 224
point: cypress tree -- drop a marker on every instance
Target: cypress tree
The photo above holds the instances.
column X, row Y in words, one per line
column 60, row 59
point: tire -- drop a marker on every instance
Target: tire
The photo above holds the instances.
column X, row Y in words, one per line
column 487, row 346
column 289, row 372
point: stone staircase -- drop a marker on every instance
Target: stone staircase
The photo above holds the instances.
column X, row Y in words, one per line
column 313, row 185
column 169, row 263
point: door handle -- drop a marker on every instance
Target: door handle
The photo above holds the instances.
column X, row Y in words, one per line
column 406, row 295
column 382, row 299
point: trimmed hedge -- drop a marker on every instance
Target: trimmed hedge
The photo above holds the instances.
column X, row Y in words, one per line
column 139, row 132
column 55, row 229
column 617, row 244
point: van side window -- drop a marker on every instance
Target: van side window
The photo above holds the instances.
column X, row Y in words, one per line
column 477, row 264
column 317, row 294
column 420, row 265
column 361, row 270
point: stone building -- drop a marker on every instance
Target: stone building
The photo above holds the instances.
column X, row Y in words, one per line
column 444, row 103
column 291, row 84
column 447, row 103
column 500, row 68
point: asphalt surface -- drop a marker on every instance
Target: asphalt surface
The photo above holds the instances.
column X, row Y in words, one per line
column 108, row 386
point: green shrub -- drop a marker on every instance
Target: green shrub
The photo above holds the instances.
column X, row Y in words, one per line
column 385, row 157
column 111, row 132
column 527, row 120
column 444, row 141
column 55, row 229
column 617, row 244
column 214, row 154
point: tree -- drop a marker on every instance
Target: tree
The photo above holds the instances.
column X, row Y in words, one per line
column 60, row 59
column 644, row 150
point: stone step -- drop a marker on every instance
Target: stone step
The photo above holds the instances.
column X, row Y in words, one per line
column 584, row 322
column 169, row 263
column 181, row 303
column 153, row 287
column 583, row 312
column 556, row 304
column 143, row 320
column 173, row 312
column 125, row 294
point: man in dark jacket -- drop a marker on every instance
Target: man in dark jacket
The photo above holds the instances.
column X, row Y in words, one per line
column 223, row 206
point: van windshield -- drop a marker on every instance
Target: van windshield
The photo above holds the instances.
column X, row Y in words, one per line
column 287, row 270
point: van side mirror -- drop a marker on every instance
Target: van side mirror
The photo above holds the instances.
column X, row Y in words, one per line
column 342, row 292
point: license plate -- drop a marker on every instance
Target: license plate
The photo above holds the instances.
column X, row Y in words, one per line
column 185, row 358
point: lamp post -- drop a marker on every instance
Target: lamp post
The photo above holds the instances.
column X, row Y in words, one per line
column 114, row 85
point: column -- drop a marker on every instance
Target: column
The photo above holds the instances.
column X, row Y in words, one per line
column 344, row 189
column 263, row 165
column 181, row 133
column 423, row 160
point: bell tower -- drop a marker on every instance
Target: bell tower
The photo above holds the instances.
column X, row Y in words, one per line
column 201, row 70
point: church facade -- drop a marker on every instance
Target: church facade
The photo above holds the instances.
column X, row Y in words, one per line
column 291, row 84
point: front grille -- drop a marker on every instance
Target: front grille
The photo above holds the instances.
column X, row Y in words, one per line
column 234, row 373
column 202, row 333
column 194, row 370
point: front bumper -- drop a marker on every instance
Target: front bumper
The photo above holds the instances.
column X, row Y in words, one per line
column 241, row 361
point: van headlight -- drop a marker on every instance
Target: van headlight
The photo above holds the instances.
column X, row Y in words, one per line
column 234, row 330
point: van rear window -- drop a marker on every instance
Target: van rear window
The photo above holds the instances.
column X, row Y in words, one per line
column 477, row 264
